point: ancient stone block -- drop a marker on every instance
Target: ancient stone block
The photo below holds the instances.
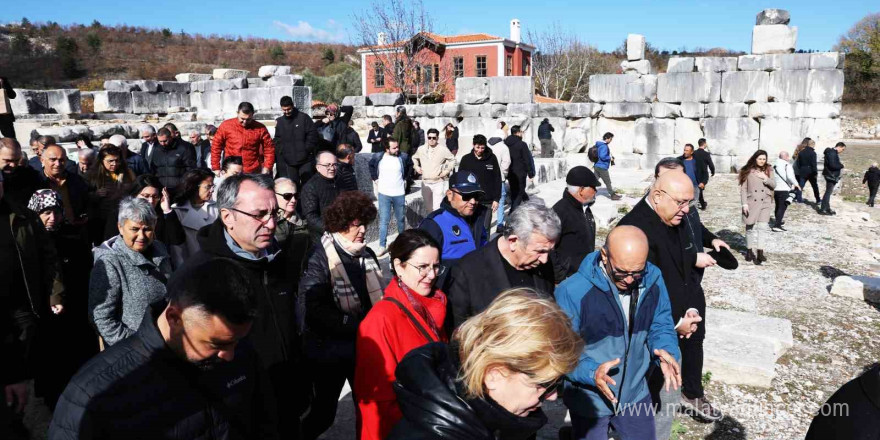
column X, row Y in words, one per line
column 269, row 71
column 208, row 103
column 30, row 102
column 472, row 90
column 112, row 102
column 175, row 87
column 726, row 110
column 285, row 81
column 755, row 62
column 779, row 134
column 493, row 110
column 101, row 130
column 218, row 85
column 432, row 110
column 414, row 110
column 254, row 83
column 551, row 110
column 654, row 136
column 451, row 110
column 775, row 38
column 301, row 95
column 773, row 16
column 806, row 86
column 66, row 133
column 664, row 110
column 626, row 110
column 379, row 99
column 642, row 67
column 609, row 88
column 120, row 86
column 356, row 100
column 581, row 109
column 715, row 64
column 229, row 73
column 469, row 110
column 794, row 110
column 848, row 287
column 824, row 60
column 527, row 110
column 642, row 90
column 749, row 86
column 177, row 100
column 192, row 77
column 741, row 354
column 687, row 131
column 577, row 135
column 680, row 64
column 511, row 89
column 693, row 110
column 635, row 47
column 689, row 87
column 624, row 133
column 791, row 61
column 146, row 102
column 731, row 136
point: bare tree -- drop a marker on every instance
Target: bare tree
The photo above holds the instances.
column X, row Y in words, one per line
column 399, row 36
column 563, row 65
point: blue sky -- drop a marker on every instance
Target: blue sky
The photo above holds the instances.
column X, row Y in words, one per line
column 667, row 24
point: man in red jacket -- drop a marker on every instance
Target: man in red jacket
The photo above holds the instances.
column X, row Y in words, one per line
column 245, row 137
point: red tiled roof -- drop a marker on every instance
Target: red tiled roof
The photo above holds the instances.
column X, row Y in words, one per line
column 444, row 39
column 546, row 100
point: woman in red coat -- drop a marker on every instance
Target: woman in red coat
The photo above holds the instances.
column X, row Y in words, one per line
column 411, row 314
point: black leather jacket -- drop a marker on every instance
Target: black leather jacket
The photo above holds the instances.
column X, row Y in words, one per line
column 434, row 405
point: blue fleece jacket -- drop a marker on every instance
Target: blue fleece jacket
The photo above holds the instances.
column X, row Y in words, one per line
column 604, row 154
column 597, row 315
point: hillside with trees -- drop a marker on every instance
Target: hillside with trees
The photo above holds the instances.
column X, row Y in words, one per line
column 52, row 55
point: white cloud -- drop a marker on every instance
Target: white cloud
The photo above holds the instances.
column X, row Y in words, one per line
column 304, row 31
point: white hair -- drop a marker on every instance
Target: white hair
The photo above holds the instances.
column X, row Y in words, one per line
column 119, row 140
column 533, row 217
column 86, row 152
column 283, row 180
column 137, row 210
column 147, row 129
column 573, row 189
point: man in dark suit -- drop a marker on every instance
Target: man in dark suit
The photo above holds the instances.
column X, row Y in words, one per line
column 704, row 167
column 660, row 216
column 6, row 120
column 578, row 238
column 202, row 148
column 520, row 257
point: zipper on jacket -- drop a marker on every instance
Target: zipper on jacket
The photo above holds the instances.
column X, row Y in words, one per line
column 23, row 274
column 626, row 352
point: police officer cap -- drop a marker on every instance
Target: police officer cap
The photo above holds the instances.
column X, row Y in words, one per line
column 464, row 182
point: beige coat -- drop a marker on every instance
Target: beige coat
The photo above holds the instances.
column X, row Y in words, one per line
column 757, row 194
column 436, row 163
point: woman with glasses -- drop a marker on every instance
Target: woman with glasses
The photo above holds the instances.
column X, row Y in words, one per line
column 491, row 380
column 109, row 180
column 168, row 229
column 756, row 185
column 411, row 314
column 341, row 283
column 195, row 208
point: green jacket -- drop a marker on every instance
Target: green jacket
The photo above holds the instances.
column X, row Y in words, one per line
column 38, row 260
column 403, row 134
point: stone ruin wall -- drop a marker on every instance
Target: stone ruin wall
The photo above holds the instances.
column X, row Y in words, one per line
column 770, row 99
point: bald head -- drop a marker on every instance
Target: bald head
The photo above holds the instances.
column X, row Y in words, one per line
column 784, row 155
column 625, row 251
column 671, row 196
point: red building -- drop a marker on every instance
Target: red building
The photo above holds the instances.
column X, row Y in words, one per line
column 438, row 60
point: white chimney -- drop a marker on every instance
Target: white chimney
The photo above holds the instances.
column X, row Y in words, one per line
column 382, row 39
column 515, row 31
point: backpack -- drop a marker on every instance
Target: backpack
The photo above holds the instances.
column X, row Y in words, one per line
column 593, row 153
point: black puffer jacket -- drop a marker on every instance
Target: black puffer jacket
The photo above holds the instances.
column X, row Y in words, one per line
column 806, row 162
column 328, row 333
column 273, row 333
column 296, row 139
column 434, row 405
column 872, row 177
column 346, row 180
column 169, row 164
column 831, row 169
column 140, row 389
column 317, row 194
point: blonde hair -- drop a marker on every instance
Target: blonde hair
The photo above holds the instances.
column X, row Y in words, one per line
column 522, row 331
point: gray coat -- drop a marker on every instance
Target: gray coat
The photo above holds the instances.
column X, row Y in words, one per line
column 122, row 286
column 757, row 194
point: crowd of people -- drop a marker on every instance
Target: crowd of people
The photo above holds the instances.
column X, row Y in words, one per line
column 182, row 292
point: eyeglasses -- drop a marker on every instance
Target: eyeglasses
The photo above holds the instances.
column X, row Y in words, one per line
column 327, row 165
column 208, row 187
column 680, row 203
column 423, row 269
column 262, row 216
column 468, row 197
column 286, row 196
column 550, row 387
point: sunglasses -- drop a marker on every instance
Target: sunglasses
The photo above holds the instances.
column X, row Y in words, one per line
column 432, row 137
column 286, row 196
column 550, row 387
column 468, row 197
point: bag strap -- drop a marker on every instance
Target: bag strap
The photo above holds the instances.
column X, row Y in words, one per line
column 412, row 318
